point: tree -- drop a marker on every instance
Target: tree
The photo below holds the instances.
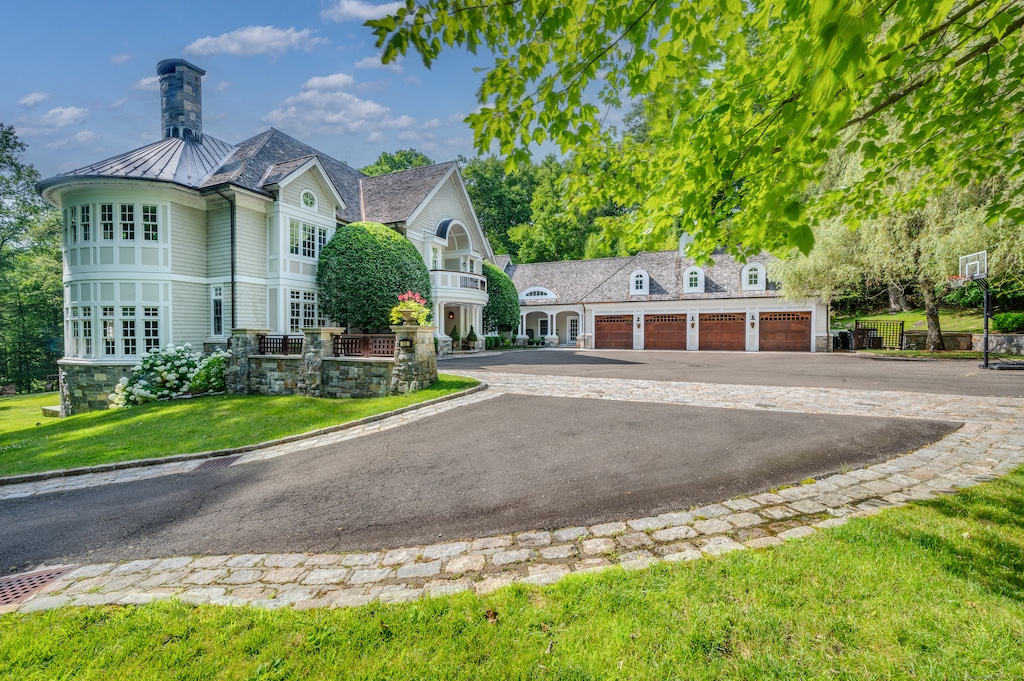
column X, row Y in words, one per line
column 30, row 273
column 501, row 314
column 501, row 198
column 748, row 100
column 361, row 272
column 403, row 159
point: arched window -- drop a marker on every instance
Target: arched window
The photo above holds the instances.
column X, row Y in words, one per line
column 693, row 280
column 753, row 277
column 639, row 283
column 537, row 293
column 309, row 200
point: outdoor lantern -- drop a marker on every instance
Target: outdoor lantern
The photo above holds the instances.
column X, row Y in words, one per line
column 751, row 320
column 451, row 315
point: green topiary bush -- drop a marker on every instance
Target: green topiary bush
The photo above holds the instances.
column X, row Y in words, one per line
column 361, row 272
column 501, row 314
column 471, row 336
column 1008, row 322
column 454, row 335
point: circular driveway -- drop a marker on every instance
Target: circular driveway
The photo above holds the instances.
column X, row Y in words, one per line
column 563, row 438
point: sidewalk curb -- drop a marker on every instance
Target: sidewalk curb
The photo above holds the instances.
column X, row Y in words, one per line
column 217, row 453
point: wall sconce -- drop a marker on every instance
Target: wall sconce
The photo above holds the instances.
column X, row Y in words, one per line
column 752, row 320
column 638, row 322
column 692, row 322
column 451, row 315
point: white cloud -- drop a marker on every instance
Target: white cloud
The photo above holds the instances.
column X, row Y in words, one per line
column 120, row 58
column 335, row 81
column 33, row 98
column 253, row 40
column 337, row 112
column 357, row 10
column 412, row 80
column 375, row 63
column 79, row 139
column 222, row 86
column 63, row 116
column 118, row 103
column 148, row 83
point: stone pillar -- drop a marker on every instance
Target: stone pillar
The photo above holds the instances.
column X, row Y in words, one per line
column 415, row 360
column 316, row 344
column 244, row 342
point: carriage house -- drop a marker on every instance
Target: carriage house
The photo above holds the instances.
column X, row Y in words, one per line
column 664, row 301
column 191, row 237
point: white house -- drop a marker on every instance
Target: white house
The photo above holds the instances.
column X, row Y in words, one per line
column 190, row 237
column 664, row 301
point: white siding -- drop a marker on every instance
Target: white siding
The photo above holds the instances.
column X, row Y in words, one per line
column 291, row 194
column 448, row 202
column 250, row 243
column 191, row 305
column 188, row 241
column 252, row 306
column 218, row 241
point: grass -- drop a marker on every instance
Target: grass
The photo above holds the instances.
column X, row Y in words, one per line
column 23, row 411
column 178, row 427
column 950, row 319
column 930, row 591
column 941, row 354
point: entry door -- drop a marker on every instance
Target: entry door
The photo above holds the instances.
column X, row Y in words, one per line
column 574, row 328
column 543, row 327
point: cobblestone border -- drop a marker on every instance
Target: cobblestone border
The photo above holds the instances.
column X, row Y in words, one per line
column 216, row 453
column 989, row 444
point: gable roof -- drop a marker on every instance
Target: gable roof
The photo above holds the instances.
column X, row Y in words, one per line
column 394, row 197
column 606, row 280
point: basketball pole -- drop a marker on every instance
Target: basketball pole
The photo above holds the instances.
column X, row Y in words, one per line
column 987, row 312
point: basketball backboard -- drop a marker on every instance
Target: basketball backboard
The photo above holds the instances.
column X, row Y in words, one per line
column 974, row 266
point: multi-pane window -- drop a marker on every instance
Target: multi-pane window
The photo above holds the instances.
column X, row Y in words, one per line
column 753, row 276
column 86, row 222
column 303, row 311
column 308, row 241
column 217, row 300
column 76, row 347
column 149, row 226
column 87, row 332
column 109, row 336
column 321, row 238
column 73, row 224
column 694, row 280
column 638, row 282
column 107, row 220
column 127, row 221
column 150, row 329
column 129, row 343
column 293, row 237
column 435, row 259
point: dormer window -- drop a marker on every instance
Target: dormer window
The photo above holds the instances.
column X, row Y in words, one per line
column 693, row 280
column 309, row 200
column 639, row 283
column 537, row 293
column 753, row 277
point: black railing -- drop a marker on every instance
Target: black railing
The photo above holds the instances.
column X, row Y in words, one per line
column 871, row 334
column 364, row 345
column 280, row 345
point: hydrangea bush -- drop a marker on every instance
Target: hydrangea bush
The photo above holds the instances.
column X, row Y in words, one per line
column 171, row 372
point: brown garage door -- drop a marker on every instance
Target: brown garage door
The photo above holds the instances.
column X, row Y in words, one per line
column 665, row 332
column 722, row 331
column 613, row 332
column 785, row 331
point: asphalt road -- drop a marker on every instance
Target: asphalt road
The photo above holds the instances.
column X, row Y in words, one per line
column 784, row 369
column 504, row 464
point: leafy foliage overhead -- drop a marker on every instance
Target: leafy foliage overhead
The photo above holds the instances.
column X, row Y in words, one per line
column 361, row 272
column 501, row 313
column 748, row 99
column 403, row 159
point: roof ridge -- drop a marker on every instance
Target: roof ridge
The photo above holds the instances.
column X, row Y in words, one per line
column 266, row 135
column 408, row 170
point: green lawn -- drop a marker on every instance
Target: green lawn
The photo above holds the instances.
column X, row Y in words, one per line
column 931, row 591
column 950, row 319
column 177, row 427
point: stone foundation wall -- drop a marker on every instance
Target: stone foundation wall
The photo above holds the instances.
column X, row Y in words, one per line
column 85, row 387
column 822, row 344
column 1003, row 343
column 356, row 378
column 918, row 340
column 274, row 375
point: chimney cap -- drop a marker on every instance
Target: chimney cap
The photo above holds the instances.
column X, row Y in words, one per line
column 170, row 65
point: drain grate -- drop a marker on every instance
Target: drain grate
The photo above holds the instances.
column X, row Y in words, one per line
column 14, row 590
column 219, row 462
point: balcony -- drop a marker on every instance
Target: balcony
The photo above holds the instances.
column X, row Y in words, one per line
column 459, row 286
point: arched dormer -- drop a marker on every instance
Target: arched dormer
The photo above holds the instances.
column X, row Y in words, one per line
column 639, row 283
column 753, row 277
column 693, row 280
column 537, row 293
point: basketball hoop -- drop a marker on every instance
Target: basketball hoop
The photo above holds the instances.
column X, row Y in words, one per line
column 957, row 281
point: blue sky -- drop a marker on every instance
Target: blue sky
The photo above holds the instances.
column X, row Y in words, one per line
column 79, row 84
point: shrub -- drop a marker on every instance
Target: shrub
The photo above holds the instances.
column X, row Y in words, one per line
column 1008, row 322
column 501, row 313
column 171, row 372
column 492, row 342
column 471, row 336
column 363, row 269
column 455, row 335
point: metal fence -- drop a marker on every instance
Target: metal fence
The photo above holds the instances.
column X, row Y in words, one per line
column 871, row 334
column 280, row 345
column 364, row 345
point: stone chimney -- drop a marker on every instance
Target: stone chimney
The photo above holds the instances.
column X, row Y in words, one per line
column 181, row 99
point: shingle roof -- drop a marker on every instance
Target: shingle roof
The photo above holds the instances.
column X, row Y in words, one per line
column 183, row 161
column 607, row 279
column 393, row 197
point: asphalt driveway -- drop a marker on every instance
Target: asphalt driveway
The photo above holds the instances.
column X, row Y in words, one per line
column 510, row 463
